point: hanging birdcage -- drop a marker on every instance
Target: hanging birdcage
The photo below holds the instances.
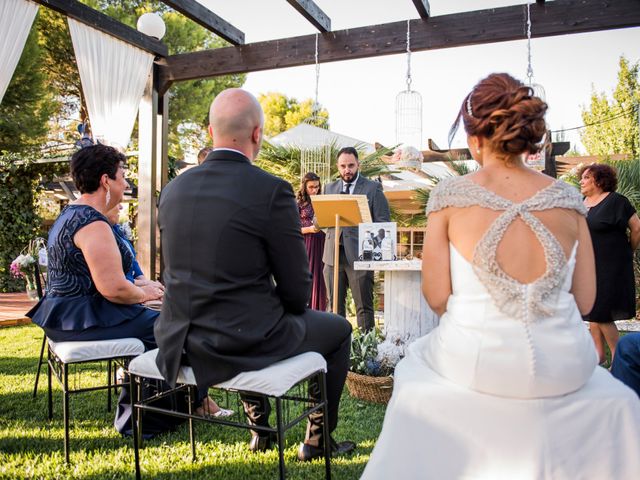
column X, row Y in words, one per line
column 409, row 108
column 315, row 155
column 315, row 151
column 409, row 118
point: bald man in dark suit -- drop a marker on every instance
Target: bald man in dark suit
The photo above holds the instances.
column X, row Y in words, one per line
column 236, row 273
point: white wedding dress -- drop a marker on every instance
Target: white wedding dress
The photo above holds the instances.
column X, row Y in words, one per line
column 507, row 386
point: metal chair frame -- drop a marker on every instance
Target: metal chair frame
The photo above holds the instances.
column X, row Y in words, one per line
column 60, row 370
column 282, row 425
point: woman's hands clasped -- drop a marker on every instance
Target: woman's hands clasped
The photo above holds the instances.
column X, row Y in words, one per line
column 152, row 291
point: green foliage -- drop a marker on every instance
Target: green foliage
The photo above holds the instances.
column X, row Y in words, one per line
column 31, row 445
column 364, row 350
column 189, row 101
column 421, row 196
column 628, row 180
column 27, row 104
column 282, row 113
column 620, row 135
column 18, row 221
column 59, row 65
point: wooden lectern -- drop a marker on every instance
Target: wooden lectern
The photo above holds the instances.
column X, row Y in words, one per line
column 339, row 211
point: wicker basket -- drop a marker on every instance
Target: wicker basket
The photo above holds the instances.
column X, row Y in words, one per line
column 370, row 389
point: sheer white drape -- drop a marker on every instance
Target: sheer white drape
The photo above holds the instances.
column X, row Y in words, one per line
column 16, row 18
column 113, row 75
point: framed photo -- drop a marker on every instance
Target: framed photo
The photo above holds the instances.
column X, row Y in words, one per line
column 377, row 241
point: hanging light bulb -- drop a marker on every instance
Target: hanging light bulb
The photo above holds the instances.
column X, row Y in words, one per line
column 151, row 24
column 538, row 90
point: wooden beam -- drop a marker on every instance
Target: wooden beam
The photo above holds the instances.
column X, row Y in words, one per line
column 560, row 17
column 209, row 20
column 312, row 12
column 423, row 8
column 106, row 24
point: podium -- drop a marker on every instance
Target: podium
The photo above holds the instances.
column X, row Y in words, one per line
column 336, row 211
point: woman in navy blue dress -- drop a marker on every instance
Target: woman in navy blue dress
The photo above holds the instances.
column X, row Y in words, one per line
column 88, row 296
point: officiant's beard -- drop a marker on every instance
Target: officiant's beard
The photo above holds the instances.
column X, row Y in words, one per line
column 348, row 176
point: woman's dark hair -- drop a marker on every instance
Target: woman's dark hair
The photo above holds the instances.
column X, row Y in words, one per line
column 604, row 176
column 302, row 196
column 90, row 163
column 506, row 112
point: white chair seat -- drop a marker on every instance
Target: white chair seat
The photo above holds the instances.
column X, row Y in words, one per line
column 74, row 352
column 274, row 380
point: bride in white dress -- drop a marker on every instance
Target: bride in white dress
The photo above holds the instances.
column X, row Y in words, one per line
column 507, row 386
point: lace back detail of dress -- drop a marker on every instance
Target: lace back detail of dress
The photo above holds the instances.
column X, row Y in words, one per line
column 517, row 300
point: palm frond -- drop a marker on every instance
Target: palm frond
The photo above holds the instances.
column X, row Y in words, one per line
column 628, row 180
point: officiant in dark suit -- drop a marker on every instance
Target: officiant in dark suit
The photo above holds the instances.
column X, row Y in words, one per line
column 351, row 182
column 236, row 273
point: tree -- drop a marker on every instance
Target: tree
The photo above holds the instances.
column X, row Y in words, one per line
column 613, row 124
column 188, row 101
column 282, row 113
column 27, row 103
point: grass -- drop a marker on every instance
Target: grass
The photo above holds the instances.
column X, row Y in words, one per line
column 31, row 447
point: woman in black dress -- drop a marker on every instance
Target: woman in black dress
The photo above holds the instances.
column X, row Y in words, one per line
column 610, row 215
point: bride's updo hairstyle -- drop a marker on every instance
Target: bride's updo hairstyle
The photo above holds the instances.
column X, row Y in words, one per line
column 504, row 111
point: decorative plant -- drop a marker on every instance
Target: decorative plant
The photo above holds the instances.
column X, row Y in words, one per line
column 375, row 354
column 23, row 266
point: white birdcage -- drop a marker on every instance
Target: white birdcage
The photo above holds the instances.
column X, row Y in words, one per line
column 315, row 155
column 409, row 118
column 409, row 107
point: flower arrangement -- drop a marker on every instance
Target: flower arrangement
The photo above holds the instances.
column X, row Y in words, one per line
column 408, row 157
column 375, row 354
column 571, row 177
column 374, row 357
column 23, row 266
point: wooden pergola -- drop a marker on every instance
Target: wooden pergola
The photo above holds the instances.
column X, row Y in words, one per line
column 559, row 17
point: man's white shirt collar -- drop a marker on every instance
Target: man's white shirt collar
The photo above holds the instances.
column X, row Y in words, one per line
column 352, row 183
column 229, row 149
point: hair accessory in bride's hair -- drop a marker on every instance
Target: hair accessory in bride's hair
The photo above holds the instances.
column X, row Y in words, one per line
column 469, row 109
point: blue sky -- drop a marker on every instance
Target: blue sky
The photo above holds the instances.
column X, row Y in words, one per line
column 360, row 94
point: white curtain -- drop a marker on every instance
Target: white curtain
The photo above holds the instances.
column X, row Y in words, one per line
column 16, row 18
column 113, row 75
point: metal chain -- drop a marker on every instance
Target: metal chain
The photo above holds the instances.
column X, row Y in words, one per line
column 408, row 55
column 316, row 106
column 529, row 67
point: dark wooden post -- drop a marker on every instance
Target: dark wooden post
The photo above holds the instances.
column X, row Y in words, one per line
column 557, row 148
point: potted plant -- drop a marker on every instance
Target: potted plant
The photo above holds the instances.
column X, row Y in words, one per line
column 373, row 360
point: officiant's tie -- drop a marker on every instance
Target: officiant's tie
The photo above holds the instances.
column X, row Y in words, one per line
column 347, row 188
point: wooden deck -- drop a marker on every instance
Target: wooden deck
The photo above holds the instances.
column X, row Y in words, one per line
column 13, row 307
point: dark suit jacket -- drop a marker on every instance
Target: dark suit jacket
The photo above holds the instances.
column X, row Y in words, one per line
column 378, row 206
column 229, row 230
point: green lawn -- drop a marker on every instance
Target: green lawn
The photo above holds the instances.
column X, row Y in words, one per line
column 32, row 447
